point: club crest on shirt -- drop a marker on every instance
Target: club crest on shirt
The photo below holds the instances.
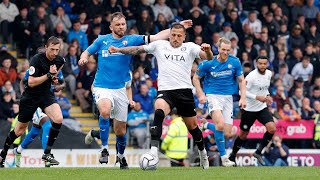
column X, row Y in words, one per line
column 125, row 42
column 229, row 66
column 183, row 49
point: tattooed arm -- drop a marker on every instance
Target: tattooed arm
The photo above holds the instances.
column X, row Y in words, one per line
column 133, row 50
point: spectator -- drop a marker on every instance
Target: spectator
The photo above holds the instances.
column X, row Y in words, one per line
column 41, row 17
column 60, row 33
column 94, row 7
column 197, row 16
column 227, row 32
column 152, row 91
column 60, row 17
column 111, row 6
column 71, row 69
column 280, row 98
column 6, row 106
column 161, row 7
column 264, row 43
column 212, row 6
column 129, row 9
column 273, row 26
column 94, row 33
column 316, row 137
column 287, row 79
column 210, row 27
column 22, row 31
column 135, row 82
column 276, row 153
column 277, row 62
column 64, row 104
column 254, row 23
column 145, row 100
column 296, row 40
column 144, row 4
column 212, row 149
column 288, row 114
column 303, row 69
column 145, row 24
column 294, row 59
column 248, row 47
column 85, row 79
column 54, row 4
column 8, row 11
column 5, row 54
column 310, row 10
column 161, row 23
column 137, row 128
column 303, row 24
column 307, row 113
column 8, row 88
column 97, row 21
column 296, row 100
column 16, row 84
column 7, row 73
column 316, row 107
column 76, row 33
column 315, row 84
column 315, row 94
column 175, row 143
column 84, row 22
column 299, row 83
column 314, row 59
column 39, row 37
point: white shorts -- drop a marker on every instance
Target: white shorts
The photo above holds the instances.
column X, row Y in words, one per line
column 223, row 103
column 119, row 101
column 37, row 116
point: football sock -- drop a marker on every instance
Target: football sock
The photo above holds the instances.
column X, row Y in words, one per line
column 266, row 139
column 10, row 138
column 156, row 129
column 53, row 134
column 197, row 136
column 219, row 137
column 121, row 143
column 104, row 125
column 45, row 133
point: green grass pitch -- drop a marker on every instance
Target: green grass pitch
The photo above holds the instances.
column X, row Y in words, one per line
column 194, row 173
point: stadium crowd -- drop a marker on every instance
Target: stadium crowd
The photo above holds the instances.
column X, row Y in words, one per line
column 286, row 31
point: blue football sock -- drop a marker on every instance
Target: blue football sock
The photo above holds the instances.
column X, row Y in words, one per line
column 104, row 125
column 211, row 127
column 45, row 133
column 30, row 136
column 121, row 143
column 219, row 137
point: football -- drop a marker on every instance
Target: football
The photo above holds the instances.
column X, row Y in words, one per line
column 149, row 161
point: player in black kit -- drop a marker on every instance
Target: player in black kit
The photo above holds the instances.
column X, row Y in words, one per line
column 43, row 71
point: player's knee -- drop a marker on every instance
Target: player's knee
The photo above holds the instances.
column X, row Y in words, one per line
column 227, row 134
column 120, row 131
column 57, row 119
column 243, row 135
column 220, row 126
column 19, row 131
column 271, row 128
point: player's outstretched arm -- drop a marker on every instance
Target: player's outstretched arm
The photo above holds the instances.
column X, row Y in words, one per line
column 84, row 58
column 164, row 34
column 199, row 92
column 133, row 50
column 242, row 86
column 206, row 52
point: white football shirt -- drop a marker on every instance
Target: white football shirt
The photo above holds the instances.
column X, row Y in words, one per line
column 174, row 64
column 257, row 85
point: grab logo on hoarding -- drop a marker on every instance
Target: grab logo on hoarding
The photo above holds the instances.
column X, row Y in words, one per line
column 301, row 129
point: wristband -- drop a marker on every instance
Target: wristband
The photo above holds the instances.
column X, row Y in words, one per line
column 50, row 76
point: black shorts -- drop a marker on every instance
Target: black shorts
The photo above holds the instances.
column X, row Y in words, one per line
column 30, row 103
column 182, row 99
column 248, row 118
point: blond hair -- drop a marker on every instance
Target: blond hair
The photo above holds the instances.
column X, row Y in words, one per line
column 223, row 40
